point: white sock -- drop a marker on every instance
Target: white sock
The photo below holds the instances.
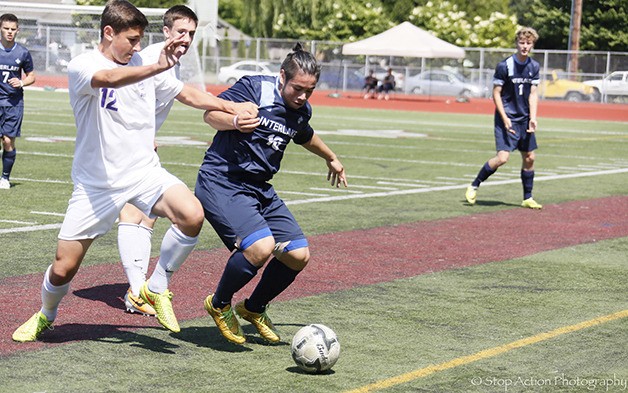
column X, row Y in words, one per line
column 134, row 244
column 51, row 296
column 175, row 247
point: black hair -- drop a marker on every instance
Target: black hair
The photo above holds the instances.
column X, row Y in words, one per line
column 8, row 18
column 300, row 60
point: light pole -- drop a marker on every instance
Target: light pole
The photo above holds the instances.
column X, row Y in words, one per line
column 574, row 37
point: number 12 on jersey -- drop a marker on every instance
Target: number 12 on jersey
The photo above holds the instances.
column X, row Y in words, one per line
column 108, row 99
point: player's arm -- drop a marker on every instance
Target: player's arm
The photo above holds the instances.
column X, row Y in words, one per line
column 336, row 171
column 199, row 100
column 245, row 122
column 533, row 101
column 29, row 79
column 123, row 76
column 499, row 105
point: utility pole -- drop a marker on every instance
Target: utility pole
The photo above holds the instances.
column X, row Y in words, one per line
column 574, row 37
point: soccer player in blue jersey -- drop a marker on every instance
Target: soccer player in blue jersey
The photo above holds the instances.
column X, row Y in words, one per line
column 515, row 94
column 244, row 209
column 14, row 60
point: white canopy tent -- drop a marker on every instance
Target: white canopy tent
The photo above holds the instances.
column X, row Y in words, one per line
column 404, row 40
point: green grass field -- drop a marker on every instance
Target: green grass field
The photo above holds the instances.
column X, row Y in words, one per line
column 402, row 167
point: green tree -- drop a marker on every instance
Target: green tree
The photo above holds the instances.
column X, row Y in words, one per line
column 604, row 23
column 446, row 21
column 137, row 3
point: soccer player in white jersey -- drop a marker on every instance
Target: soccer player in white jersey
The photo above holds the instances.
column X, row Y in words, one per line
column 113, row 95
column 135, row 229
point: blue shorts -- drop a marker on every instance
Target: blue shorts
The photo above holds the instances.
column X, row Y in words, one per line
column 520, row 140
column 242, row 212
column 11, row 120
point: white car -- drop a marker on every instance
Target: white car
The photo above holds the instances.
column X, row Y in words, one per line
column 444, row 83
column 231, row 74
column 612, row 88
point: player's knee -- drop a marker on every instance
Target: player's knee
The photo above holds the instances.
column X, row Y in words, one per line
column 192, row 216
column 296, row 259
column 260, row 251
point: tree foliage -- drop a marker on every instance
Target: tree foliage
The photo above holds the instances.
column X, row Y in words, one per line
column 604, row 24
column 481, row 23
column 448, row 22
column 137, row 3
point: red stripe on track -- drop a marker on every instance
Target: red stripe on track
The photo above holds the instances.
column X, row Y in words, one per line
column 94, row 308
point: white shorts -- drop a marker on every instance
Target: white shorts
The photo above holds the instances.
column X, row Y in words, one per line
column 93, row 211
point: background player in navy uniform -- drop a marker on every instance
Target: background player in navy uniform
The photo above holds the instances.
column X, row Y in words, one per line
column 14, row 59
column 515, row 94
column 243, row 207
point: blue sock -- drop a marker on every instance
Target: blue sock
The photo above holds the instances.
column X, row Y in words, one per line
column 484, row 174
column 275, row 279
column 527, row 179
column 238, row 272
column 8, row 159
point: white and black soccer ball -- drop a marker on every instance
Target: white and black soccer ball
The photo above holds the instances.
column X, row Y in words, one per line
column 315, row 348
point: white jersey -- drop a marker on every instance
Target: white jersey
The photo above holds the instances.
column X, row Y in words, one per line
column 150, row 55
column 115, row 126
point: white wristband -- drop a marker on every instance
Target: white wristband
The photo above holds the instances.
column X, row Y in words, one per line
column 21, row 83
column 235, row 122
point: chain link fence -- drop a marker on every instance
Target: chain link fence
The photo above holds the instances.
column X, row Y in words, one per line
column 52, row 46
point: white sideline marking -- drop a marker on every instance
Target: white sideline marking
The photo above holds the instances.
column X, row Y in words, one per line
column 42, row 181
column 360, row 195
column 302, row 193
column 455, row 187
column 18, row 222
column 48, row 214
column 31, row 228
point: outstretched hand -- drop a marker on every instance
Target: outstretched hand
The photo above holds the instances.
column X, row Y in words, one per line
column 169, row 55
column 336, row 173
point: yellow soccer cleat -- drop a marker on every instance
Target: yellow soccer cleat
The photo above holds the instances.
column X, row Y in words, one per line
column 32, row 329
column 226, row 321
column 531, row 204
column 135, row 304
column 471, row 194
column 262, row 322
column 162, row 303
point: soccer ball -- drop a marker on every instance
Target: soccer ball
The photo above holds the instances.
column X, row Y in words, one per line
column 315, row 348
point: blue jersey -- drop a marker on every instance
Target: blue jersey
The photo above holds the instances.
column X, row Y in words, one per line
column 516, row 80
column 256, row 156
column 12, row 62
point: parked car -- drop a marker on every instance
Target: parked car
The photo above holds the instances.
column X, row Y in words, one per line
column 333, row 77
column 444, row 83
column 565, row 89
column 231, row 74
column 613, row 88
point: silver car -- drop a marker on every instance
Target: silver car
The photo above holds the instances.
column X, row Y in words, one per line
column 443, row 83
column 230, row 74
